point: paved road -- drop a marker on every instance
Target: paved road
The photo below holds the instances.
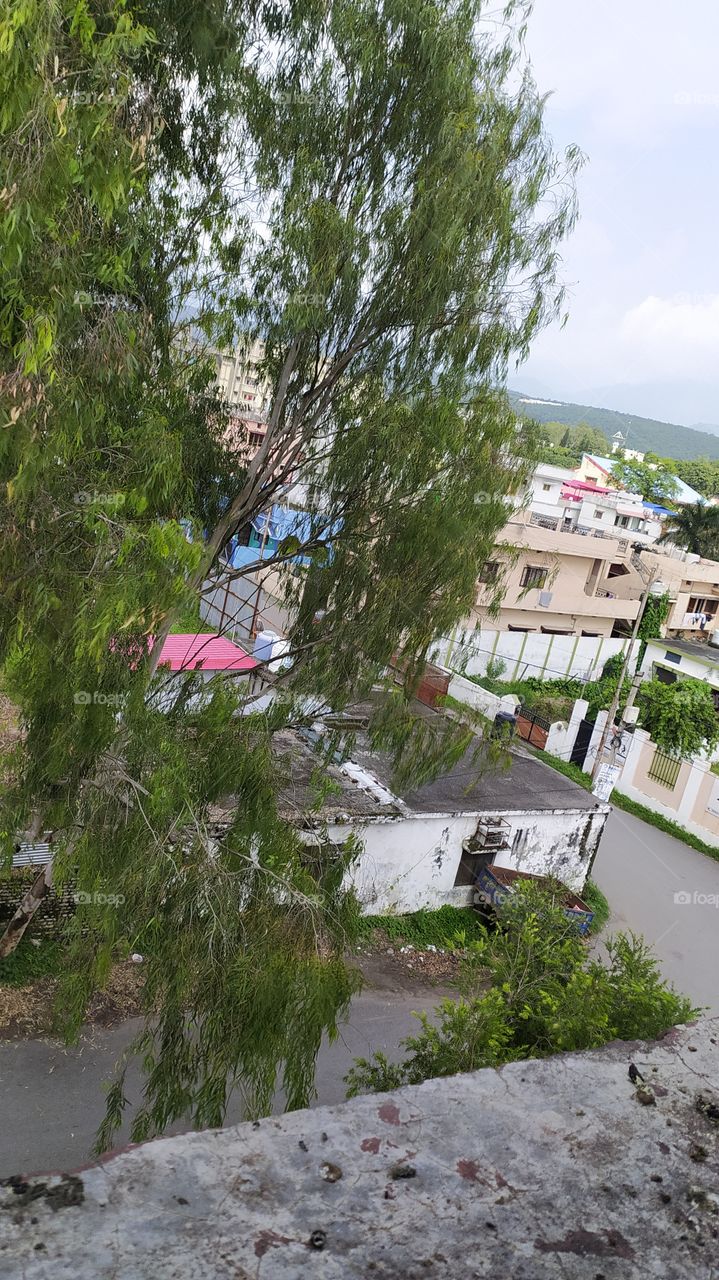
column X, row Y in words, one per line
column 668, row 892
column 51, row 1098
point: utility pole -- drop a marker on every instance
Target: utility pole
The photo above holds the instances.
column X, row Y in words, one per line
column 622, row 675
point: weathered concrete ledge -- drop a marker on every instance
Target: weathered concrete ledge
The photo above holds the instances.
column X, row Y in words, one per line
column 552, row 1169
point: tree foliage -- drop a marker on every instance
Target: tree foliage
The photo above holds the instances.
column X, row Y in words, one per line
column 696, row 528
column 563, row 446
column 371, row 193
column 529, row 989
column 681, row 717
column 656, row 484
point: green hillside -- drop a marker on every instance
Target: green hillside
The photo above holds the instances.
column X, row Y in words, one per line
column 665, row 438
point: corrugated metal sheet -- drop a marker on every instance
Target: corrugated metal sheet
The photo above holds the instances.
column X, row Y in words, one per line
column 32, row 855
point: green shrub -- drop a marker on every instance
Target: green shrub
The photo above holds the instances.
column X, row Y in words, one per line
column 596, row 901
column 530, row 989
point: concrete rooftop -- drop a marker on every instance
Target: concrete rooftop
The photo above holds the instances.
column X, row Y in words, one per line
column 526, row 785
column 541, row 1170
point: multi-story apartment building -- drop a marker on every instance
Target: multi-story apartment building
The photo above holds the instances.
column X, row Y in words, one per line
column 559, row 580
column 577, row 557
column 691, row 583
column 243, row 388
column 239, row 379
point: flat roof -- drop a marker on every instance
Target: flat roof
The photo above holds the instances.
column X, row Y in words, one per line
column 527, row 784
column 706, row 652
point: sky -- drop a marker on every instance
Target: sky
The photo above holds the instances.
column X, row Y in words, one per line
column 635, row 84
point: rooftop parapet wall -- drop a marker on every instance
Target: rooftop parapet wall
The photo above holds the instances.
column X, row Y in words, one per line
column 542, row 1169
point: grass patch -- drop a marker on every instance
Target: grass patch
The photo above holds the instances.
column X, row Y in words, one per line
column 663, row 824
column 425, row 928
column 27, row 963
column 189, row 622
column 595, row 900
column 572, row 771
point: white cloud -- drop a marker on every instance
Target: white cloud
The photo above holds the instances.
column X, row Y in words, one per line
column 673, row 337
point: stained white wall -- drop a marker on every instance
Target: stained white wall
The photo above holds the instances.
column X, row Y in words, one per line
column 528, row 653
column 410, row 863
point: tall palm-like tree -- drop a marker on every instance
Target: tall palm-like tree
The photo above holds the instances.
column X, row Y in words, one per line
column 696, row 528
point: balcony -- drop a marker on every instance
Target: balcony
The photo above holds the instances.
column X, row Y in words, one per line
column 547, row 533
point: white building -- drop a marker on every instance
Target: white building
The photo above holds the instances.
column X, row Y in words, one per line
column 570, row 501
column 423, row 846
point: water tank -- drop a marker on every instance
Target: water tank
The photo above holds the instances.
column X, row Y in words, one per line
column 265, row 642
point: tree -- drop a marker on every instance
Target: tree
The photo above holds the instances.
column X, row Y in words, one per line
column 696, row 528
column 681, row 717
column 655, row 485
column 409, row 207
column 529, row 990
column 701, row 473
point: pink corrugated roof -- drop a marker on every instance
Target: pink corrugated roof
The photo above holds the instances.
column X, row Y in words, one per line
column 206, row 652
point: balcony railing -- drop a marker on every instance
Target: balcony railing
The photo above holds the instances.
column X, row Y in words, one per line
column 585, row 531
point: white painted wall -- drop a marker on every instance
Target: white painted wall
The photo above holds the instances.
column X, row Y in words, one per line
column 562, row 734
column 528, row 653
column 473, row 695
column 411, row 863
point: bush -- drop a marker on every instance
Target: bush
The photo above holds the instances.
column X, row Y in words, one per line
column 680, row 717
column 529, row 990
column 596, row 901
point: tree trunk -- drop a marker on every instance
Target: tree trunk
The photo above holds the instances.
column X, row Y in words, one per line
column 31, row 900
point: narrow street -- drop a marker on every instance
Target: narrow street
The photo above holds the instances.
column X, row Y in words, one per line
column 640, row 870
column 52, row 1098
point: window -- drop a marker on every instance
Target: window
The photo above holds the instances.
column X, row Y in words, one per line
column 547, row 488
column 665, row 676
column 533, row 575
column 489, row 571
column 664, row 769
column 598, row 515
column 672, row 657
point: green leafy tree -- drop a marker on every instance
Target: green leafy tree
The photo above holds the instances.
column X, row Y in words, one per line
column 529, row 989
column 656, row 485
column 696, row 528
column 681, row 717
column 378, row 203
column 701, row 473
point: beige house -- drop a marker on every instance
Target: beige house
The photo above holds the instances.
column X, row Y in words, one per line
column 691, row 583
column 558, row 581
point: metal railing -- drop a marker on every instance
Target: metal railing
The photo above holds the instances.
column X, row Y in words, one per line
column 585, row 531
column 664, row 769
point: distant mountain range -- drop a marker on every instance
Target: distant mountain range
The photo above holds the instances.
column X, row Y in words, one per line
column 647, row 435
